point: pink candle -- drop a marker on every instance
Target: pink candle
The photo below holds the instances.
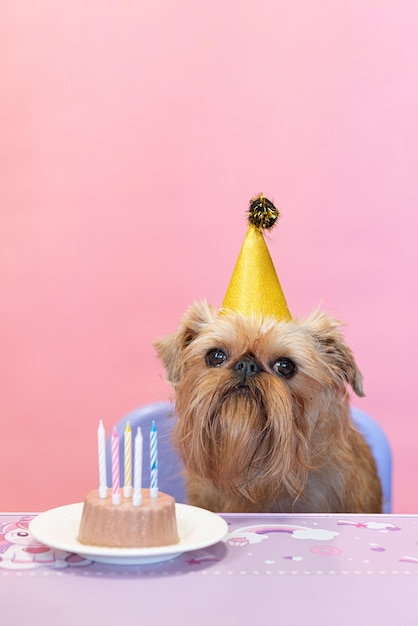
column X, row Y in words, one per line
column 115, row 467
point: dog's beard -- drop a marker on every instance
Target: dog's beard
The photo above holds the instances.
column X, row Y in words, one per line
column 247, row 439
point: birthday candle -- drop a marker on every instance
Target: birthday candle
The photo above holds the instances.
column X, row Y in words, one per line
column 115, row 467
column 127, row 489
column 153, row 462
column 137, row 499
column 101, row 442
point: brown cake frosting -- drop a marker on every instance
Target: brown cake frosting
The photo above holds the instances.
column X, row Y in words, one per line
column 125, row 525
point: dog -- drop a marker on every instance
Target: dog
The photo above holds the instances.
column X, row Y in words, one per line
column 263, row 414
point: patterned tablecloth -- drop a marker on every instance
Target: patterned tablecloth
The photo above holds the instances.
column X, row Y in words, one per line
column 255, row 546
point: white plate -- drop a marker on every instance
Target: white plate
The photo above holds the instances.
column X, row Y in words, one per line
column 197, row 528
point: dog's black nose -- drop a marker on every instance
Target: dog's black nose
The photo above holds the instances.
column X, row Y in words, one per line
column 246, row 368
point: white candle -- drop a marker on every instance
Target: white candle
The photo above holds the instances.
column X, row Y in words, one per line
column 127, row 489
column 137, row 499
column 101, row 442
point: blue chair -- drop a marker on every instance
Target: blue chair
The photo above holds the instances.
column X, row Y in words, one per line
column 170, row 466
column 376, row 438
column 170, row 469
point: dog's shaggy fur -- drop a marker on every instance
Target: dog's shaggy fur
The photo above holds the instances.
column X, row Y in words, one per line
column 263, row 414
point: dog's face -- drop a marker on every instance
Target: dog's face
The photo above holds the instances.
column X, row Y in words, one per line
column 258, row 401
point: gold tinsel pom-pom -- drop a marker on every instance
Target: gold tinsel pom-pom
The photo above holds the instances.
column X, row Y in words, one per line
column 262, row 213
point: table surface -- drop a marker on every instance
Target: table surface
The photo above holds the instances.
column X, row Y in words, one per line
column 317, row 568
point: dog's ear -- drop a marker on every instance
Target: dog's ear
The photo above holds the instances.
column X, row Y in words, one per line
column 170, row 348
column 334, row 350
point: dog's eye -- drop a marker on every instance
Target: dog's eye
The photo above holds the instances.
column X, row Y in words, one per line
column 284, row 367
column 216, row 357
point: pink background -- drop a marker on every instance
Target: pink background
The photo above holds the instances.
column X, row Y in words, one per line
column 132, row 136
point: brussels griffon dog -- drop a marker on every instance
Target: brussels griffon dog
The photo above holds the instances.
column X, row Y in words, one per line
column 263, row 414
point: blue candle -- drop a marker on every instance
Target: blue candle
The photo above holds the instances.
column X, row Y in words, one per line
column 153, row 462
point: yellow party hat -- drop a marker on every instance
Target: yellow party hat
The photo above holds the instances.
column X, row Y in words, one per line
column 254, row 287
